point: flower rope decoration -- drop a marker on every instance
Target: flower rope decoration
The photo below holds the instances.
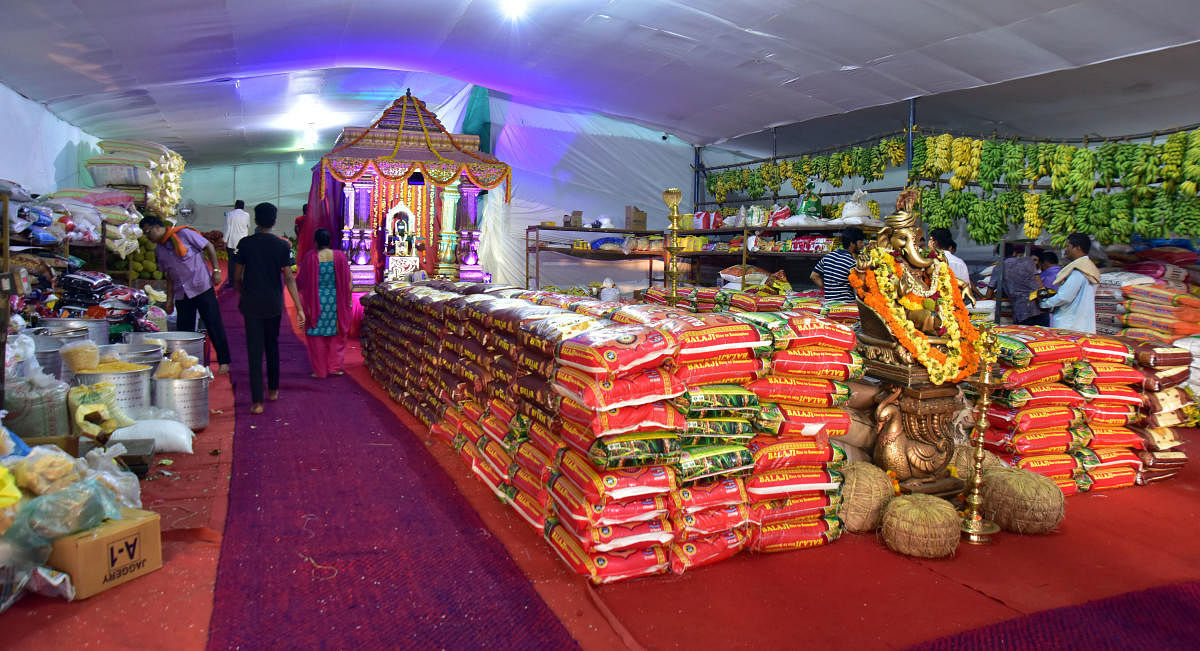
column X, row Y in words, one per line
column 877, row 286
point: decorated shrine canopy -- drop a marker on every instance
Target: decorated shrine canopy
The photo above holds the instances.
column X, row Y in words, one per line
column 409, row 138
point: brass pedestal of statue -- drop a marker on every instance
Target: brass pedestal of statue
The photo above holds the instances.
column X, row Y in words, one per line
column 916, row 339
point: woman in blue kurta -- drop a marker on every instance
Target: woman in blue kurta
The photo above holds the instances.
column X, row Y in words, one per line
column 325, row 292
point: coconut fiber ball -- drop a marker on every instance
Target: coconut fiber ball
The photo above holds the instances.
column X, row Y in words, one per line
column 866, row 490
column 921, row 525
column 1021, row 501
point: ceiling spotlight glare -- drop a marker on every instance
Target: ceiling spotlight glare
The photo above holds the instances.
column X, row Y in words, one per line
column 300, row 159
column 514, row 9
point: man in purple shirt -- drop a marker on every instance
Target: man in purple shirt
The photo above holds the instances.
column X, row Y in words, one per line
column 181, row 252
column 1048, row 263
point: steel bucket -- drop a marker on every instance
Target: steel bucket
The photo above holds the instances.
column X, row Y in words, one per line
column 97, row 329
column 187, row 397
column 193, row 343
column 132, row 387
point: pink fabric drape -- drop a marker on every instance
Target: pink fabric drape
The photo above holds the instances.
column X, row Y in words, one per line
column 309, row 285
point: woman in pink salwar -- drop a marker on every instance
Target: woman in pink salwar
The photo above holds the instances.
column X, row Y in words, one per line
column 325, row 294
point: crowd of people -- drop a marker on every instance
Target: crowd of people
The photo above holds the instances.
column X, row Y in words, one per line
column 1041, row 291
column 261, row 265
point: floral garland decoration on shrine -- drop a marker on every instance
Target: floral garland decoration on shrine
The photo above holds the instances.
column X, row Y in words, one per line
column 487, row 177
column 877, row 286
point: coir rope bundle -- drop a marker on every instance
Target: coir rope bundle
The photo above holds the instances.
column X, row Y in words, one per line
column 921, row 525
column 866, row 490
column 1021, row 501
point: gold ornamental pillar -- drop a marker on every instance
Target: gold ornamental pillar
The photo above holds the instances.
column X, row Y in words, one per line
column 976, row 529
column 448, row 237
column 672, row 197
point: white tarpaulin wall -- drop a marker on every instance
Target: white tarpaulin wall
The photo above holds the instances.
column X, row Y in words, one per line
column 565, row 161
column 40, row 151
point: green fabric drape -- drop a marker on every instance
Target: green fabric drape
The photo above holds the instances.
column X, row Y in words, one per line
column 477, row 120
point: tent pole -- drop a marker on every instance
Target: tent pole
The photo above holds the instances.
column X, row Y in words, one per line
column 697, row 184
column 908, row 137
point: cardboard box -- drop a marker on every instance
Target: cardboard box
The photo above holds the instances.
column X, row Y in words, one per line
column 575, row 220
column 116, row 552
column 68, row 444
column 635, row 220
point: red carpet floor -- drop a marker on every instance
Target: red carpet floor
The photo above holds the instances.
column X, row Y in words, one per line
column 342, row 532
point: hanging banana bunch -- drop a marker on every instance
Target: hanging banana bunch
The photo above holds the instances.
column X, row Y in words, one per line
column 1033, row 219
column 1100, row 217
column 1012, row 207
column 917, row 168
column 1060, row 169
column 985, row 222
column 1014, row 164
column 964, row 160
column 937, row 156
column 1106, row 164
column 1173, row 151
column 892, row 151
column 1145, row 169
column 769, row 173
column 1081, row 179
column 1187, row 216
column 1121, row 211
column 991, row 165
column 1125, row 155
column 874, row 206
column 1083, row 215
column 934, row 210
column 1191, row 165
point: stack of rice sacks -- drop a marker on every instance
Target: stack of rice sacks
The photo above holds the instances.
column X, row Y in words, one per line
column 1168, row 409
column 1160, row 313
column 1067, row 407
column 794, row 491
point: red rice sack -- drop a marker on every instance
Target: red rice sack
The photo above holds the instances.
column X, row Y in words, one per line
column 1115, row 477
column 617, row 350
column 1031, row 418
column 802, row 505
column 818, row 362
column 544, row 335
column 527, row 483
column 1056, row 440
column 706, row 550
column 801, row 533
column 1067, row 485
column 530, row 458
column 1157, row 379
column 1048, row 465
column 501, row 433
column 620, row 484
column 627, row 450
column 1040, row 395
column 1110, row 373
column 1011, row 377
column 570, row 504
column 650, row 385
column 778, row 484
column 711, row 494
column 1025, row 345
column 1116, row 394
column 772, row 453
column 473, row 432
column 708, row 462
column 1098, row 348
column 509, row 319
column 611, row 537
column 705, row 336
column 738, row 369
column 800, row 391
column 717, row 431
column 1115, row 437
column 716, row 400
column 495, row 481
column 710, row 521
column 624, row 420
column 793, row 420
column 812, row 331
column 442, row 431
column 1109, row 415
column 494, row 455
column 531, row 509
column 606, row 567
column 545, row 441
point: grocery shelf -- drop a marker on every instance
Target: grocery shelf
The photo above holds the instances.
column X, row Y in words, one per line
column 596, row 254
column 584, row 229
column 751, row 254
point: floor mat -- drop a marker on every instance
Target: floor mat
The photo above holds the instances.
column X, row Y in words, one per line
column 343, row 530
column 1167, row 617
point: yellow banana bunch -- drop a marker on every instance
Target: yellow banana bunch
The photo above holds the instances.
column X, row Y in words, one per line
column 893, row 150
column 937, row 156
column 964, row 158
column 1191, row 164
column 1060, row 168
column 1033, row 221
column 874, row 206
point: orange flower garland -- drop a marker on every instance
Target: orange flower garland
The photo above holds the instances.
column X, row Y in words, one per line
column 866, row 285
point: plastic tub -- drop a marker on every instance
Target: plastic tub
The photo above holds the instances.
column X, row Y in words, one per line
column 46, row 351
column 97, row 329
column 132, row 387
column 193, row 343
column 187, row 397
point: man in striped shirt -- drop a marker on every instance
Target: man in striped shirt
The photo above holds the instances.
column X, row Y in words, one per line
column 832, row 273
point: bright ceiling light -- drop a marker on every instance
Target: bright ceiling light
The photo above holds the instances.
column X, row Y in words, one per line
column 300, row 159
column 310, row 137
column 514, row 9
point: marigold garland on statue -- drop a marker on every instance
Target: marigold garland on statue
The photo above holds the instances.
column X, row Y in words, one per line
column 877, row 285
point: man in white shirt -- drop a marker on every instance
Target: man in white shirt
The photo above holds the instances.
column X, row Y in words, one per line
column 237, row 226
column 941, row 240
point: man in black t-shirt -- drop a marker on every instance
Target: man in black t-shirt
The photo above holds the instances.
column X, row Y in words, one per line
column 264, row 266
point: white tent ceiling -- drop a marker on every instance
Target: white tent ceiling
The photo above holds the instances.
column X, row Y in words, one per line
column 218, row 79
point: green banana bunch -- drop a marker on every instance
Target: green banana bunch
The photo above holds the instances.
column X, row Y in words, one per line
column 1060, row 168
column 1081, row 180
column 1191, row 165
column 1083, row 215
column 933, row 209
column 991, row 165
column 1123, row 160
column 1101, row 206
column 917, row 166
column 958, row 204
column 1187, row 216
column 1145, row 169
column 1121, row 212
column 1014, row 164
column 1106, row 164
column 985, row 221
column 1058, row 214
column 1172, row 160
